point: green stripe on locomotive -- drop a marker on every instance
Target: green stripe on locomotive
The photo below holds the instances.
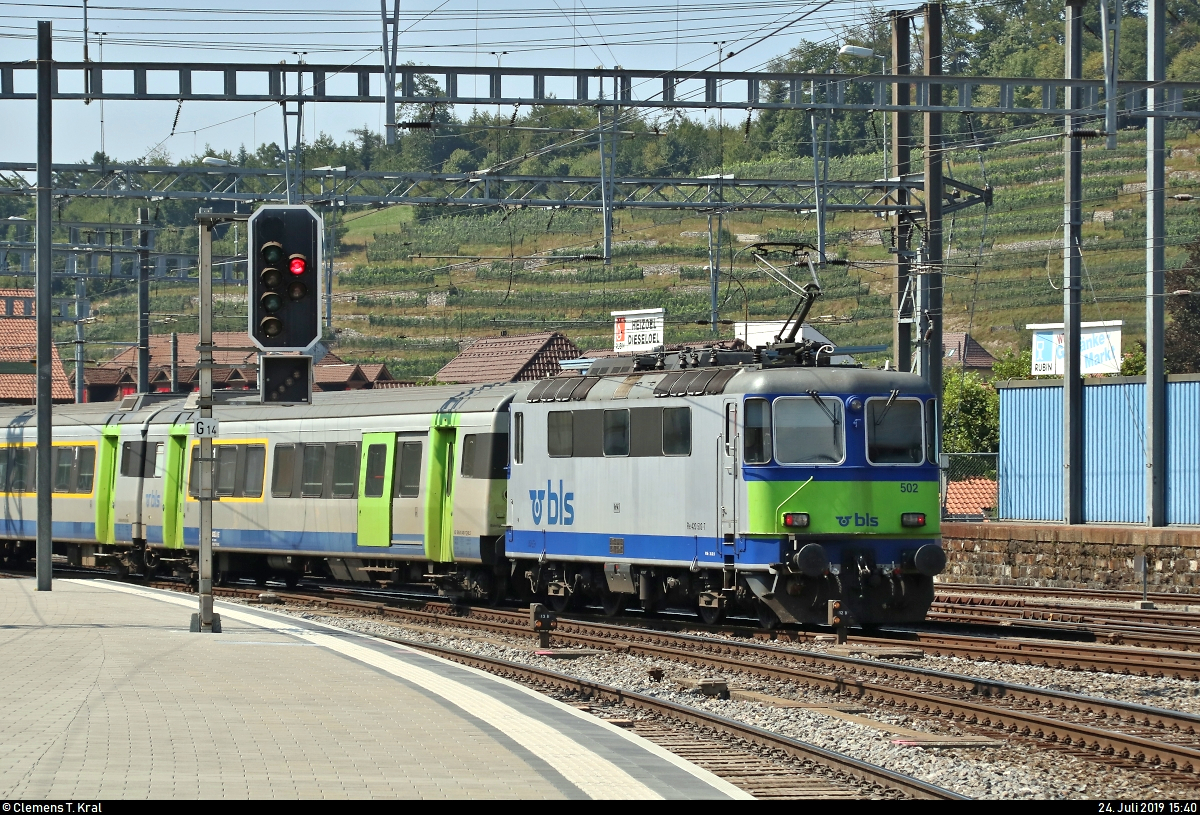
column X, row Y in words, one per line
column 843, row 507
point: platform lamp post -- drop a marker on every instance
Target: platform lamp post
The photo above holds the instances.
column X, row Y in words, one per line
column 867, row 53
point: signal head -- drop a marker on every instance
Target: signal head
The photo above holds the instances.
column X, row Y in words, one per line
column 271, row 278
column 272, row 253
column 296, row 290
column 297, row 264
column 271, row 302
column 270, row 327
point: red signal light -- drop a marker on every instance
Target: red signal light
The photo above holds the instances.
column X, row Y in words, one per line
column 297, row 264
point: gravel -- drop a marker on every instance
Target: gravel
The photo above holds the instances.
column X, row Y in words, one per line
column 1009, row 770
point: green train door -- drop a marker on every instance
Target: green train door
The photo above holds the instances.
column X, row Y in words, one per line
column 174, row 485
column 439, row 495
column 375, row 497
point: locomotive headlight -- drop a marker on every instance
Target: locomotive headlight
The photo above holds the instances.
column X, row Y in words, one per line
column 912, row 519
column 796, row 520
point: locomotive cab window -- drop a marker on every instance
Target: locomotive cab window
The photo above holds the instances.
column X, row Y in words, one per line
column 894, row 431
column 931, row 431
column 616, row 432
column 758, row 431
column 518, row 438
column 677, row 431
column 809, row 430
column 559, row 434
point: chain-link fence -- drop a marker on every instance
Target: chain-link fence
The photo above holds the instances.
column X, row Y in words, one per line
column 970, row 487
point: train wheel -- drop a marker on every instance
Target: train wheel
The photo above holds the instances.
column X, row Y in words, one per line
column 711, row 615
column 290, row 579
column 766, row 617
column 121, row 570
column 612, row 603
column 560, row 602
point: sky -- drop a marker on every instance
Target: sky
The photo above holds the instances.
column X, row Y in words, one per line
column 663, row 35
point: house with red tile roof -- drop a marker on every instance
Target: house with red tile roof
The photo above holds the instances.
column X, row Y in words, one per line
column 958, row 346
column 18, row 352
column 510, row 359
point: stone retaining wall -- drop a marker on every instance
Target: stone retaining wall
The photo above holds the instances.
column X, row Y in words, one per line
column 1050, row 555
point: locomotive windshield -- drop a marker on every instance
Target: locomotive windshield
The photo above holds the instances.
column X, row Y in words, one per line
column 894, row 431
column 808, row 430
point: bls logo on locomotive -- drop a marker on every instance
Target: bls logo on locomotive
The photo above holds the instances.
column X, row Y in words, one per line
column 557, row 505
column 859, row 520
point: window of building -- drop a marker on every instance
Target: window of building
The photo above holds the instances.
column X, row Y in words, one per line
column 616, row 432
column 376, row 470
column 345, row 470
column 559, row 434
column 758, row 431
column 285, row 470
column 408, row 470
column 894, row 431
column 809, row 430
column 677, row 431
column 312, row 480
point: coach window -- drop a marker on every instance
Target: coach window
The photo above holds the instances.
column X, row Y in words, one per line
column 758, row 431
column 616, row 432
column 131, row 458
column 285, row 470
column 86, row 469
column 468, row 456
column 226, row 468
column 559, row 436
column 408, row 470
column 376, row 470
column 22, row 469
column 345, row 470
column 313, row 477
column 894, row 431
column 809, row 430
column 252, row 471
column 519, row 438
column 677, row 431
column 64, row 463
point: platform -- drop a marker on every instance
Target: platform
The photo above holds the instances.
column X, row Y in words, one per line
column 107, row 695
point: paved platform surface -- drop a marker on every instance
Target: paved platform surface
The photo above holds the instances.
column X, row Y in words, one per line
column 107, row 695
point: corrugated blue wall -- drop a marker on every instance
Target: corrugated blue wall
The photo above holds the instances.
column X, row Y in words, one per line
column 1183, row 453
column 1031, row 454
column 1114, row 453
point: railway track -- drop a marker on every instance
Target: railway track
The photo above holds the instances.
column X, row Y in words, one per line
column 1152, row 739
column 765, row 764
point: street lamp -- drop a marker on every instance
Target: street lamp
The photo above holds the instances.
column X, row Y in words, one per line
column 867, row 53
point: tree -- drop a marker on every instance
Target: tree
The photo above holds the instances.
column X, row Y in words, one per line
column 970, row 415
column 1014, row 365
column 1181, row 338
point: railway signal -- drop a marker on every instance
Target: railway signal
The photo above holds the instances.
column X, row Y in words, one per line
column 284, row 275
column 285, row 379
